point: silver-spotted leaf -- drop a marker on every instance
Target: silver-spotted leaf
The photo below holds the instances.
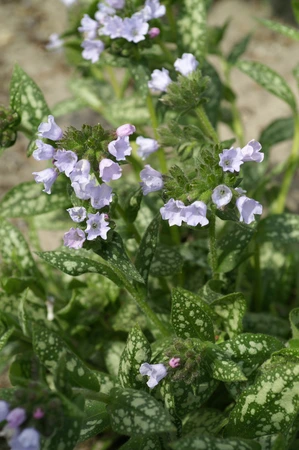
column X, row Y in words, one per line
column 196, row 442
column 230, row 309
column 136, row 352
column 5, row 337
column 112, row 355
column 167, row 261
column 147, row 248
column 142, row 443
column 220, row 366
column 231, row 249
column 282, row 228
column 137, row 413
column 192, row 27
column 95, row 421
column 204, row 421
column 294, row 320
column 281, row 28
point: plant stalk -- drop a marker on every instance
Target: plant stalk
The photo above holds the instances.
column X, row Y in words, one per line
column 206, row 125
column 213, row 247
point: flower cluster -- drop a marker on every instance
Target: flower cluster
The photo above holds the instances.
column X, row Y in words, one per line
column 176, row 212
column 18, row 436
column 160, row 79
column 108, row 23
column 83, row 181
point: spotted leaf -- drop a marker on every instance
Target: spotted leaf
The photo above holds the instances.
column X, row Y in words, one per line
column 5, row 337
column 230, row 309
column 136, row 352
column 220, row 366
column 147, row 248
column 196, row 442
column 282, row 228
column 167, row 261
column 206, row 420
column 49, row 347
column 95, row 421
column 294, row 319
column 189, row 319
column 231, row 250
column 137, row 413
column 192, row 27
column 142, row 443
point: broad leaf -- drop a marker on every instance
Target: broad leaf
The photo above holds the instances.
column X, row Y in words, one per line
column 220, row 366
column 167, row 261
column 147, row 248
column 137, row 413
column 197, row 442
column 294, row 320
column 192, row 27
column 231, row 309
column 5, row 337
column 238, row 49
column 231, row 250
column 142, row 443
column 277, row 131
column 268, row 79
column 204, row 421
column 95, row 421
column 282, row 228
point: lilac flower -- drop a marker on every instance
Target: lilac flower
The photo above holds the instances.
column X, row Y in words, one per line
column 160, row 80
column 92, row 49
column 240, row 190
column 156, row 10
column 88, row 26
column 251, row 152
column 109, row 170
column 112, row 27
column 28, row 439
column 96, row 226
column 247, row 208
column 4, row 410
column 16, row 417
column 155, row 372
column 173, row 211
column 74, row 238
column 221, row 195
column 151, row 180
column 101, row 196
column 231, row 160
column 186, row 65
column 55, row 42
column 50, row 130
column 65, row 161
column 125, row 130
column 81, row 171
column 43, row 151
column 154, row 32
column 104, row 11
column 77, row 213
column 120, row 148
column 116, row 4
column 135, row 29
column 146, row 146
column 195, row 214
column 83, row 189
column 174, row 362
column 38, row 414
column 46, row 176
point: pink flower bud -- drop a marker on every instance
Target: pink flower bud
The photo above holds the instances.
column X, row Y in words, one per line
column 125, row 130
column 38, row 413
column 175, row 362
column 154, row 32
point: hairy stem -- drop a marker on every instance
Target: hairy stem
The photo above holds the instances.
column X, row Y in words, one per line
column 212, row 245
column 206, row 125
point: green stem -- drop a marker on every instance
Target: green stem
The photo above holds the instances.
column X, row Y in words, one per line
column 131, row 225
column 167, row 53
column 124, row 83
column 213, row 246
column 206, row 125
column 154, row 121
column 114, row 82
column 92, row 395
column 292, row 164
column 171, row 21
column 258, row 298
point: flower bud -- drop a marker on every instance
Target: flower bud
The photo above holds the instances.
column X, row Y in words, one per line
column 154, row 32
column 125, row 130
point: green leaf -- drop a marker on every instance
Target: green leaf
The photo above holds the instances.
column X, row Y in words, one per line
column 49, row 347
column 295, row 6
column 14, row 249
column 112, row 355
column 266, row 323
column 282, row 228
column 132, row 205
column 95, row 421
column 251, row 350
column 147, row 248
column 114, row 252
column 27, row 100
column 5, row 337
column 136, row 413
column 281, row 28
column 27, row 200
column 141, row 76
column 231, row 309
column 238, row 49
column 67, row 106
column 268, row 79
column 204, row 421
column 24, row 369
column 70, row 263
column 220, row 366
column 269, row 406
column 142, row 443
column 193, row 27
column 231, row 249
column 167, row 261
column 294, row 320
column 189, row 319
column 212, row 443
column 277, row 131
column 213, row 93
column 136, row 352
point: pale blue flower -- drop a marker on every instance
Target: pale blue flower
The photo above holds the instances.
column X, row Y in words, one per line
column 65, row 161
column 159, row 81
column 109, row 170
column 92, row 49
column 231, row 160
column 221, row 195
column 187, row 64
column 83, row 189
column 248, row 207
column 96, row 226
column 195, row 214
column 43, row 151
column 155, row 372
column 146, row 146
column 16, row 417
column 4, row 410
column 74, row 238
column 50, row 130
column 120, row 148
column 251, row 152
column 151, row 180
column 101, row 196
column 112, row 27
column 156, row 10
column 173, row 211
column 81, row 171
column 89, row 27
column 77, row 213
column 28, row 439
column 125, row 130
column 46, row 176
column 55, row 42
column 134, row 29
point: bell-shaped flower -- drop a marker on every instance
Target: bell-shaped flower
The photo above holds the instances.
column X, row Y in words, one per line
column 74, row 238
column 89, row 27
column 81, row 171
column 160, row 80
column 146, row 146
column 248, row 207
column 125, row 130
column 50, row 130
column 43, row 151
column 46, row 176
column 251, row 152
column 151, row 180
column 116, row 4
column 155, row 9
column 16, row 417
column 65, row 161
column 101, row 196
column 112, row 27
column 92, row 49
column 155, row 372
column 109, row 170
column 135, row 29
column 28, row 439
column 83, row 189
column 96, row 226
column 221, row 195
column 4, row 410
column 195, row 214
column 120, row 148
column 186, row 65
column 54, row 42
column 173, row 211
column 77, row 213
column 231, row 160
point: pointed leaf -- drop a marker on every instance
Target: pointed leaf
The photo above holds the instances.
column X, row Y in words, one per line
column 212, row 443
column 192, row 27
column 281, row 28
column 147, row 248
column 282, row 228
column 231, row 250
column 95, row 421
column 294, row 319
column 220, row 366
column 167, row 261
column 231, row 309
